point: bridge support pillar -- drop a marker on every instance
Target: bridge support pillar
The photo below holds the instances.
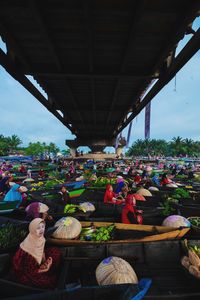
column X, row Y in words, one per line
column 72, row 151
column 95, row 145
column 119, row 150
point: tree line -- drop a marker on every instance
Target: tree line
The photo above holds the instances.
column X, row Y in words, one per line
column 11, row 145
column 176, row 147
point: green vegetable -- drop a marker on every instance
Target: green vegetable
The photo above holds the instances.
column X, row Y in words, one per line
column 180, row 193
column 72, row 208
column 195, row 222
column 167, row 207
column 99, row 234
column 11, row 235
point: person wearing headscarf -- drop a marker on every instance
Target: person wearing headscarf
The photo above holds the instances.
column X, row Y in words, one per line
column 22, row 169
column 37, row 210
column 130, row 214
column 155, row 179
column 15, row 193
column 144, row 174
column 137, row 178
column 109, row 196
column 41, row 173
column 164, row 180
column 33, row 265
column 120, row 184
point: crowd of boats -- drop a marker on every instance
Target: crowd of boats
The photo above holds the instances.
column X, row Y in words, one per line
column 90, row 213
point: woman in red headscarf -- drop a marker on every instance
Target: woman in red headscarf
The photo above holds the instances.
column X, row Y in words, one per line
column 130, row 215
column 110, row 196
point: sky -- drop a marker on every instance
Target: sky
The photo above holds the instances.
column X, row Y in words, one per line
column 175, row 111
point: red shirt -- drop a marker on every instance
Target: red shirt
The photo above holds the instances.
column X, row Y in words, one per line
column 108, row 197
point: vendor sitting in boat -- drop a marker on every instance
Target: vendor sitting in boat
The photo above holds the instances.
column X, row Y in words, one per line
column 15, row 193
column 165, row 180
column 137, row 178
column 37, row 210
column 41, row 173
column 22, row 169
column 64, row 197
column 33, row 265
column 120, row 184
column 130, row 214
column 124, row 192
column 156, row 180
column 111, row 197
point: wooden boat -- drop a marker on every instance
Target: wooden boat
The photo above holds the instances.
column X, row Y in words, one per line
column 117, row 292
column 112, row 213
column 10, row 288
column 6, row 207
column 128, row 233
column 76, row 193
column 74, row 184
column 53, row 194
column 188, row 211
column 159, row 261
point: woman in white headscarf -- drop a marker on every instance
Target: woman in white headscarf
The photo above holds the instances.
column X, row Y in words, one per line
column 33, row 265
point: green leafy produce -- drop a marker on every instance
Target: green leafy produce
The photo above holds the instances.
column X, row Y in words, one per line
column 11, row 235
column 51, row 183
column 167, row 207
column 56, row 175
column 72, row 208
column 103, row 181
column 180, row 193
column 195, row 221
column 99, row 234
column 181, row 176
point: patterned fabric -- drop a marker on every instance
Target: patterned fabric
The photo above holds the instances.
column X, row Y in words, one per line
column 25, row 269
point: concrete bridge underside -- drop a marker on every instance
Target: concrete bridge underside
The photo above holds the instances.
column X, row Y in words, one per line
column 96, row 59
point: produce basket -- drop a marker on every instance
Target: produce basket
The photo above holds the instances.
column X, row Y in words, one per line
column 191, row 249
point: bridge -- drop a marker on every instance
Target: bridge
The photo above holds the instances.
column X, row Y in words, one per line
column 96, row 59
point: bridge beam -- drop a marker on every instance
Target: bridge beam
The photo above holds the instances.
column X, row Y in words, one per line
column 94, row 145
